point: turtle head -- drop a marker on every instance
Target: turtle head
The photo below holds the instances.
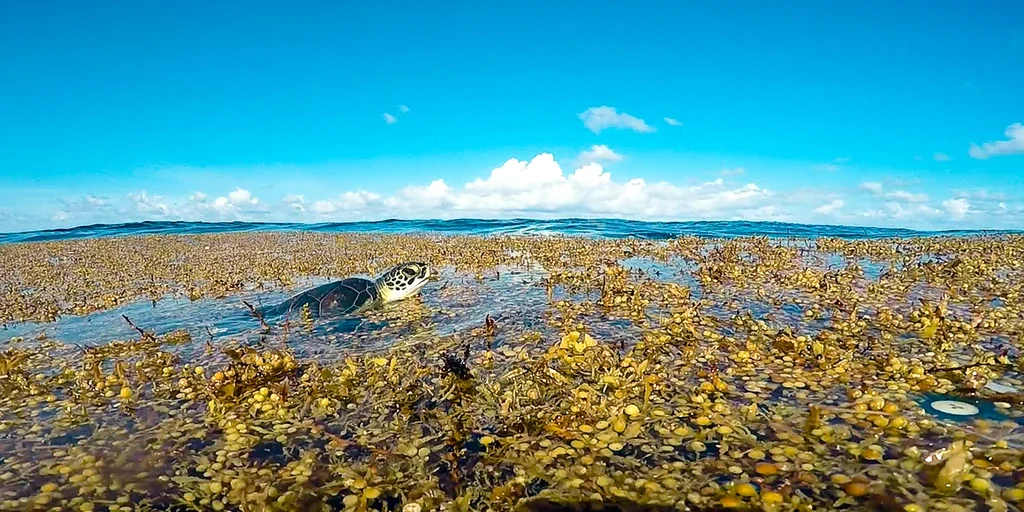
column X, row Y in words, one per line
column 404, row 280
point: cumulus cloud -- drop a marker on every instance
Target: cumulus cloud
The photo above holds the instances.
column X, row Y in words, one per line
column 149, row 204
column 941, row 157
column 390, row 119
column 403, row 109
column 830, row 208
column 540, row 188
column 954, row 210
column 356, row 202
column 324, row 206
column 296, row 202
column 957, row 208
column 672, row 122
column 598, row 153
column 540, row 185
column 1013, row 145
column 906, row 208
column 597, row 119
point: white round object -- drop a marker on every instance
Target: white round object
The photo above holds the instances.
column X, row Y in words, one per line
column 955, row 407
column 1000, row 388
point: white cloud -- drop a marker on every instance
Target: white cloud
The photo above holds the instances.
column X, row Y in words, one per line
column 350, row 202
column 957, row 208
column 827, row 167
column 240, row 197
column 237, row 201
column 404, row 109
column 941, row 157
column 601, row 118
column 598, row 153
column 898, row 210
column 540, row 185
column 830, row 208
column 540, row 188
column 953, row 209
column 235, row 205
column 147, row 204
column 323, row 206
column 390, row 119
column 872, row 186
column 1012, row 146
column 876, row 189
column 903, row 195
column 297, row 202
column 673, row 122
column 981, row 195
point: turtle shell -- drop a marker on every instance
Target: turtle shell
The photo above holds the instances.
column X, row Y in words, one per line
column 344, row 297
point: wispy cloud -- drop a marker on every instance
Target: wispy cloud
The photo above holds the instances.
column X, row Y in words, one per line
column 941, row 157
column 981, row 195
column 899, row 196
column 832, row 166
column 597, row 119
column 390, row 119
column 871, row 186
column 907, row 197
column 403, row 109
column 1013, row 145
column 673, row 122
column 831, row 207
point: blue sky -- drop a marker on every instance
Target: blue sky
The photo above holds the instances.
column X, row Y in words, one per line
column 804, row 111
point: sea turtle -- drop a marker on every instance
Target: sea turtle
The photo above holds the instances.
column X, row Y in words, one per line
column 355, row 294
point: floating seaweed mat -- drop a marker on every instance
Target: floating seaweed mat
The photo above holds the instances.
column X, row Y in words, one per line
column 539, row 374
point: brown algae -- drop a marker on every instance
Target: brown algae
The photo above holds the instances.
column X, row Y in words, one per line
column 539, row 373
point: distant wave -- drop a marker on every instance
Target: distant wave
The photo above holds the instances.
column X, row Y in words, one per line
column 599, row 228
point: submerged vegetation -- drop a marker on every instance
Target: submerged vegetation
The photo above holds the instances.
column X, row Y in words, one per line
column 549, row 373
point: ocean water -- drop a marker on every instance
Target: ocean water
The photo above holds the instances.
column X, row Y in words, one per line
column 605, row 228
